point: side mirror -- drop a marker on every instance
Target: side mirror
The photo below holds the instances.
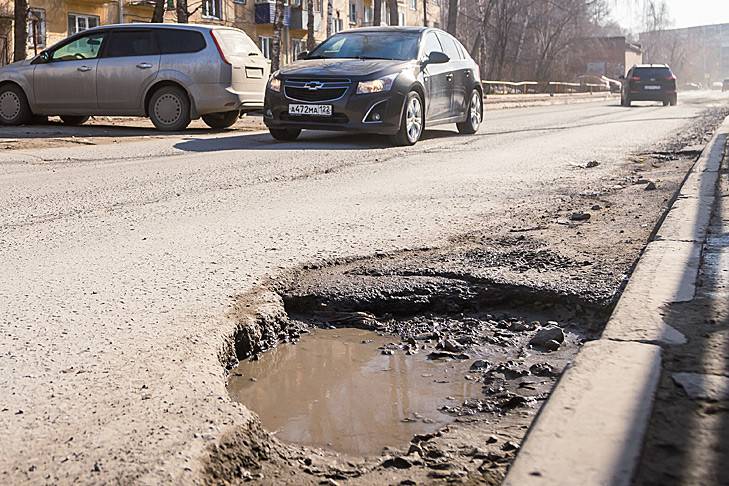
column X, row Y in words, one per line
column 621, row 77
column 437, row 57
column 302, row 55
column 44, row 57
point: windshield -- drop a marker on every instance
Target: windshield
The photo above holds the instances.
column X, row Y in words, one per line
column 369, row 45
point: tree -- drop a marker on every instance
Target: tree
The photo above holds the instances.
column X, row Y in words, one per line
column 330, row 19
column 158, row 15
column 377, row 12
column 452, row 16
column 182, row 13
column 20, row 32
column 278, row 18
column 310, row 41
column 392, row 7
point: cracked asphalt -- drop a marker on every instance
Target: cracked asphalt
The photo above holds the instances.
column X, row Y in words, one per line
column 119, row 262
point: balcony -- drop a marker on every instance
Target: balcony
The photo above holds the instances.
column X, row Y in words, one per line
column 265, row 13
column 300, row 20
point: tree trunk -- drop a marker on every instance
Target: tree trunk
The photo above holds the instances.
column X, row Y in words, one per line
column 330, row 18
column 452, row 17
column 158, row 15
column 278, row 17
column 310, row 41
column 182, row 13
column 377, row 12
column 392, row 6
column 20, row 32
column 425, row 13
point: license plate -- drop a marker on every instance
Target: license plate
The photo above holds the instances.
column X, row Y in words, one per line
column 316, row 110
column 652, row 87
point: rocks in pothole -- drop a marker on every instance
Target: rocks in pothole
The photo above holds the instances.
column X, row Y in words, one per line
column 549, row 338
column 579, row 216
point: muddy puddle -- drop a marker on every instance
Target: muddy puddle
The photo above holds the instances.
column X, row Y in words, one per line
column 339, row 389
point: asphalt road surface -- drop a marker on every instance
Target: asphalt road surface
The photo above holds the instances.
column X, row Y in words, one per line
column 118, row 262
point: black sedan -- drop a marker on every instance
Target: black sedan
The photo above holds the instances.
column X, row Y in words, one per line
column 386, row 80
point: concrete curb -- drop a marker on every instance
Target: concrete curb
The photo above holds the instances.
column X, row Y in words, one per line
column 591, row 429
column 497, row 102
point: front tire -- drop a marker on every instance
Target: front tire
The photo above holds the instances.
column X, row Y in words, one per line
column 74, row 120
column 412, row 122
column 14, row 107
column 221, row 120
column 674, row 100
column 169, row 109
column 285, row 134
column 475, row 115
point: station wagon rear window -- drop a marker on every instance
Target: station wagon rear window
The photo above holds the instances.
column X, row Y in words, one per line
column 179, row 41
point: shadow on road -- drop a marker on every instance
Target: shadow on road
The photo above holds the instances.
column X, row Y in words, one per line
column 308, row 140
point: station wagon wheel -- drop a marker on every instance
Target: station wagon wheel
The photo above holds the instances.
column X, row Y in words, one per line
column 74, row 120
column 412, row 122
column 169, row 109
column 14, row 108
column 474, row 113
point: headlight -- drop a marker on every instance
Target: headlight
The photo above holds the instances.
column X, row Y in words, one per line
column 377, row 85
column 274, row 84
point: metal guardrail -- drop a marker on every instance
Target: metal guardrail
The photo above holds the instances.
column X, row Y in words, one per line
column 534, row 87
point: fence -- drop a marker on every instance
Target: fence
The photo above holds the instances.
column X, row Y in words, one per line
column 533, row 87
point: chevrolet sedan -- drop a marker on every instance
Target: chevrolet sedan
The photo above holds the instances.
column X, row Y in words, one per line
column 385, row 80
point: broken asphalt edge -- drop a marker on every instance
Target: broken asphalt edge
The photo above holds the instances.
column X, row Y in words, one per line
column 592, row 427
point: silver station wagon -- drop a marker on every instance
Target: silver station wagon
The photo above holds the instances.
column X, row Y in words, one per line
column 171, row 73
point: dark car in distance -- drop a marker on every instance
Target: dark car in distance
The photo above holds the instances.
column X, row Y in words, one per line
column 649, row 82
column 386, row 80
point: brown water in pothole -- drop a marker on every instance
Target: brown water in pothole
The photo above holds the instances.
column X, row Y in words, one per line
column 332, row 390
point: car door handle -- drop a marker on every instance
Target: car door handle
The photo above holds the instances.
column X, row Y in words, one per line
column 83, row 69
column 144, row 65
column 449, row 77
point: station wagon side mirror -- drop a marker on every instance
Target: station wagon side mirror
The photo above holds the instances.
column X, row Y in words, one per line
column 436, row 57
column 44, row 57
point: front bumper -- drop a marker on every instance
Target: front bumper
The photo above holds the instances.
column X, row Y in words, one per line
column 348, row 112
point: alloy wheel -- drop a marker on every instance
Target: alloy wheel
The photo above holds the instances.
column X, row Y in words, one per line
column 414, row 119
column 476, row 112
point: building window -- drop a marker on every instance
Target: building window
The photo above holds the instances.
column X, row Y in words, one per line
column 352, row 13
column 240, row 2
column 368, row 15
column 297, row 46
column 264, row 44
column 37, row 20
column 337, row 25
column 211, row 9
column 77, row 23
column 413, row 4
column 401, row 17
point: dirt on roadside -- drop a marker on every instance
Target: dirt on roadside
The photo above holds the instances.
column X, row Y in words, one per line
column 550, row 267
column 99, row 130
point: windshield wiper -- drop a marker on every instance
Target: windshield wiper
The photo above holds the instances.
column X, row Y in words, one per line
column 372, row 57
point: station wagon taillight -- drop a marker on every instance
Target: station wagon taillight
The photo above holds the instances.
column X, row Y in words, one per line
column 220, row 50
column 672, row 77
column 635, row 78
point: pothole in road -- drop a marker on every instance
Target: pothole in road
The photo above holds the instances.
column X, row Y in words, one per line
column 374, row 357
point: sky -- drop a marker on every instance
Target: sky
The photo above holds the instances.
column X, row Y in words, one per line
column 685, row 13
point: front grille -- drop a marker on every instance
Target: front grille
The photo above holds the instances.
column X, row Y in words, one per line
column 315, row 90
column 336, row 118
column 322, row 94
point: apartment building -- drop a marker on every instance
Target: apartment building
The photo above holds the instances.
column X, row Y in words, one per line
column 52, row 20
